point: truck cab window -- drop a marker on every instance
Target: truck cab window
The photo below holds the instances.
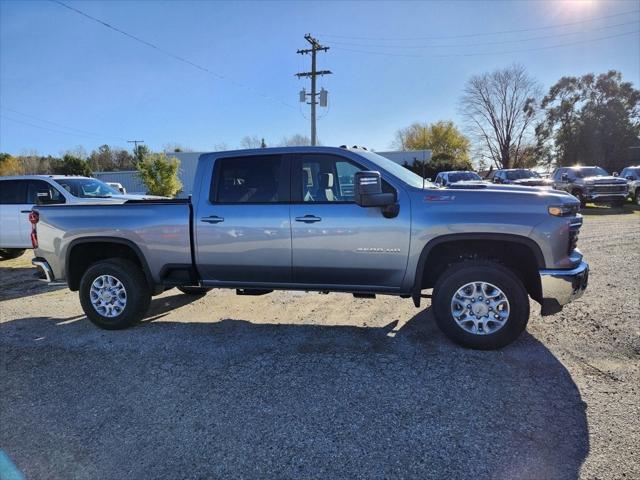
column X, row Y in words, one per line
column 36, row 186
column 329, row 178
column 254, row 179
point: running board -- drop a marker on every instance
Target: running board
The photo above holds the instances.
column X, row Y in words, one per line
column 364, row 295
column 252, row 291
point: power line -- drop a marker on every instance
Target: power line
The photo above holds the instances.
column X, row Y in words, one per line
column 172, row 55
column 497, row 42
column 43, row 128
column 77, row 130
column 559, row 45
column 481, row 34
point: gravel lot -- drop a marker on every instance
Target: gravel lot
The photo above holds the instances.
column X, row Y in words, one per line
column 295, row 385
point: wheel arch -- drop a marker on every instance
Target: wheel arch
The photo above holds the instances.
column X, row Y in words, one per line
column 442, row 251
column 92, row 249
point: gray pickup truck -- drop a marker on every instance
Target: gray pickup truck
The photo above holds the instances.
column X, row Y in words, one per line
column 329, row 220
column 591, row 184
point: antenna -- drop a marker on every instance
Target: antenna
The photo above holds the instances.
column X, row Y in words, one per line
column 424, row 162
column 424, row 156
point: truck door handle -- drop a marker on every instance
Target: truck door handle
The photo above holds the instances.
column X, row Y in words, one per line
column 25, row 211
column 212, row 219
column 308, row 219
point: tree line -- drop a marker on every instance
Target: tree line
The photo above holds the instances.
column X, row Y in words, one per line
column 507, row 123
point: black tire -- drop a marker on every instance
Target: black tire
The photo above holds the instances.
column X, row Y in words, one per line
column 460, row 274
column 578, row 194
column 637, row 196
column 194, row 290
column 10, row 253
column 138, row 293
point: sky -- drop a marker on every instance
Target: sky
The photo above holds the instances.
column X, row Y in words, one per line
column 205, row 74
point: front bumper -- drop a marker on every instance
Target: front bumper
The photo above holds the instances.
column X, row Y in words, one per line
column 605, row 197
column 560, row 287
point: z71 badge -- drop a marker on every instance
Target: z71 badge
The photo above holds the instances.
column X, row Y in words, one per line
column 377, row 250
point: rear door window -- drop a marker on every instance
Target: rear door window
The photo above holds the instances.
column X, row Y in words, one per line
column 13, row 192
column 254, row 179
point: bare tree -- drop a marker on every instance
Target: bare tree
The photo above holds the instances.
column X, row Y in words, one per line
column 175, row 147
column 220, row 147
column 296, row 140
column 251, row 141
column 500, row 110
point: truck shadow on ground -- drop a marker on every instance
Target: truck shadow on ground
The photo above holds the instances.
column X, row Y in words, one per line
column 18, row 282
column 239, row 399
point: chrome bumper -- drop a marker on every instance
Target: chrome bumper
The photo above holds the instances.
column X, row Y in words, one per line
column 44, row 270
column 596, row 196
column 560, row 287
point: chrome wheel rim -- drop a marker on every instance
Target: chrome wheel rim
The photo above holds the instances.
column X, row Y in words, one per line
column 480, row 308
column 108, row 296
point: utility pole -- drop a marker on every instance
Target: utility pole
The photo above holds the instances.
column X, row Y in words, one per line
column 315, row 47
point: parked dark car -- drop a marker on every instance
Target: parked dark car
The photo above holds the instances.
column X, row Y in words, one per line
column 591, row 184
column 519, row 176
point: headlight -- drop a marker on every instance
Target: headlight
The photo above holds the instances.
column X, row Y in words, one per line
column 563, row 210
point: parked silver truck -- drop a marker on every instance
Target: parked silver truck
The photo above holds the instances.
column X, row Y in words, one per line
column 591, row 184
column 330, row 220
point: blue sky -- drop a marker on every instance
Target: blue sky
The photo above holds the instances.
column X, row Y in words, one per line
column 66, row 80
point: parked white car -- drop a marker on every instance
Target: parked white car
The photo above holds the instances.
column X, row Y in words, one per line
column 19, row 194
column 118, row 186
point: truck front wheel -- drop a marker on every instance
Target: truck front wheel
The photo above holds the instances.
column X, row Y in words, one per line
column 580, row 196
column 114, row 293
column 480, row 304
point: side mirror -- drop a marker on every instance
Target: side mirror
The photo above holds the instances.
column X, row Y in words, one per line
column 629, row 177
column 496, row 180
column 615, row 174
column 564, row 177
column 368, row 190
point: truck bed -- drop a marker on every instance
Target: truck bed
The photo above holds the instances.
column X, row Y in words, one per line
column 160, row 230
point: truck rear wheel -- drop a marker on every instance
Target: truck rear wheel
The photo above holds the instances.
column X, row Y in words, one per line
column 481, row 305
column 194, row 290
column 114, row 293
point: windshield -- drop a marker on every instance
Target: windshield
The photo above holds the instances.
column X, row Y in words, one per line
column 86, row 187
column 521, row 174
column 462, row 176
column 396, row 170
column 590, row 172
